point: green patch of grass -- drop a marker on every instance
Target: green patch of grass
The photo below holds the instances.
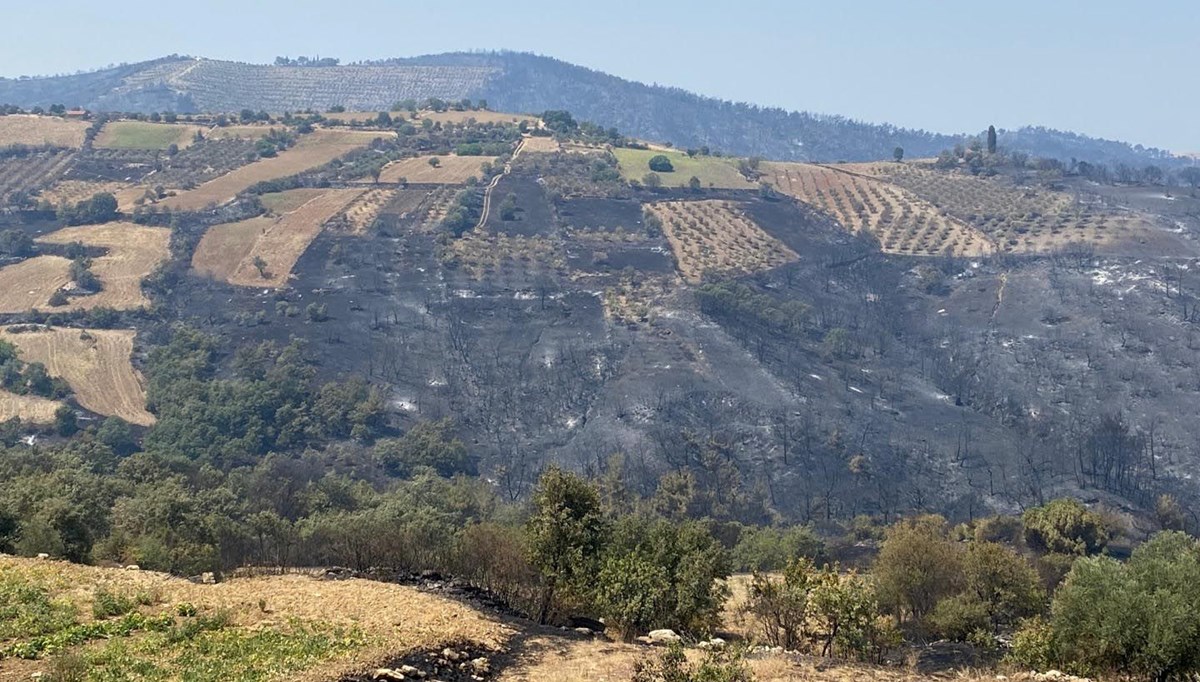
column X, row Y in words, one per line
column 713, row 171
column 141, row 135
column 28, row 610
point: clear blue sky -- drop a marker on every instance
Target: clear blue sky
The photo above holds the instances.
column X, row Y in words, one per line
column 1113, row 68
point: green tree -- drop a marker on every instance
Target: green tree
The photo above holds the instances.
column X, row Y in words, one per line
column 991, row 140
column 917, row 566
column 566, row 532
column 694, row 184
column 661, row 164
column 260, row 264
column 898, row 154
column 1065, row 526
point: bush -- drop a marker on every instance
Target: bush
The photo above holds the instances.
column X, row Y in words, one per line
column 107, row 604
column 661, row 164
column 917, row 566
column 672, row 666
column 772, row 549
column 1065, row 526
column 959, row 617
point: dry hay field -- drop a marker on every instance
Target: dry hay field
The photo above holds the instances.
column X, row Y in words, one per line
column 360, row 215
column 482, row 253
column 716, row 236
column 375, row 621
column 96, row 363
column 315, row 149
column 451, row 170
column 289, row 200
column 902, row 221
column 477, row 116
column 227, row 252
column 132, row 253
column 1018, row 219
column 32, row 172
column 244, row 132
column 74, row 191
column 539, row 144
column 28, row 408
column 144, row 135
column 41, row 130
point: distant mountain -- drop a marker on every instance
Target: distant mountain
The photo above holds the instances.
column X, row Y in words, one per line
column 529, row 83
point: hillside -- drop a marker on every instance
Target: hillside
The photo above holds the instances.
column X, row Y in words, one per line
column 527, row 83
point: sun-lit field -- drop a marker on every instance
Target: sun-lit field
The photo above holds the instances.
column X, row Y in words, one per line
column 362, row 212
column 28, row 408
column 144, row 135
column 482, row 254
column 95, row 362
column 477, row 116
column 714, row 236
column 315, row 149
column 289, row 200
column 40, row 130
column 450, row 170
column 713, row 171
column 539, row 144
column 74, row 191
column 229, row 252
column 903, row 222
column 32, row 173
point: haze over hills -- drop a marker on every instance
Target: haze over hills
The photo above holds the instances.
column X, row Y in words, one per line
column 523, row 82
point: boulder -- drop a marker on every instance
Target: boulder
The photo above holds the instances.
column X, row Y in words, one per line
column 664, row 636
column 388, row 675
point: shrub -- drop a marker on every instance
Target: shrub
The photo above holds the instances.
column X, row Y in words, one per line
column 917, row 566
column 107, row 604
column 1065, row 526
column 672, row 666
column 959, row 617
column 771, row 549
column 661, row 164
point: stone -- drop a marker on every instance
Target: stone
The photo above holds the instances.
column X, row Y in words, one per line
column 664, row 636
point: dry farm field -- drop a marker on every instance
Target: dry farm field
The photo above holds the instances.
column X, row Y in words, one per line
column 482, row 254
column 362, row 212
column 229, row 252
column 539, row 144
column 28, row 408
column 451, row 170
column 716, row 236
column 32, row 172
column 477, row 116
column 289, row 200
column 315, row 149
column 144, row 135
column 74, row 191
column 30, row 283
column 245, row 132
column 903, row 222
column 96, row 363
column 41, row 130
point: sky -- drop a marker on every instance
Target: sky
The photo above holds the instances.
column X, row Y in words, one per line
column 1109, row 68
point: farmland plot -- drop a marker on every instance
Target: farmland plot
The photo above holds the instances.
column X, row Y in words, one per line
column 132, row 252
column 451, row 170
column 41, row 130
column 30, row 283
column 31, row 172
column 28, row 408
column 313, row 150
column 360, row 215
column 74, row 191
column 229, row 252
column 543, row 145
column 712, row 171
column 144, row 135
column 715, row 236
column 902, row 221
column 96, row 363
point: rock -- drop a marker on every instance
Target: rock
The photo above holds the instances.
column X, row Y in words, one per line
column 411, row 671
column 643, row 640
column 586, row 632
column 713, row 644
column 450, row 654
column 208, row 578
column 133, row 567
column 43, row 555
column 481, row 665
column 664, row 637
column 387, row 674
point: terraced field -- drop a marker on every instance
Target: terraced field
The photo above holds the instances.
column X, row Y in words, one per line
column 715, row 236
column 902, row 221
column 41, row 130
column 315, row 149
column 1017, row 219
column 95, row 362
column 229, row 252
column 451, row 170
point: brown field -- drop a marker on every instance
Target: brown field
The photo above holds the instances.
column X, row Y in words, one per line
column 248, row 132
column 39, row 130
column 28, row 408
column 32, row 172
column 289, row 200
column 96, row 363
column 395, row 618
column 30, row 283
column 545, row 145
column 716, row 236
column 134, row 251
column 436, row 207
column 1019, row 219
column 451, row 170
column 479, row 116
column 315, row 149
column 74, row 191
column 902, row 221
column 227, row 252
column 362, row 212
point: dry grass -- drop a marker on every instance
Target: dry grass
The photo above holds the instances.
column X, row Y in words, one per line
column 74, row 191
column 27, row 408
column 315, row 149
column 362, row 212
column 395, row 618
column 39, row 130
column 247, row 132
column 32, row 173
column 482, row 253
column 133, row 252
column 478, row 116
column 96, row 363
column 715, row 236
column 902, row 221
column 451, row 170
column 144, row 135
column 545, row 145
column 30, row 283
column 289, row 200
column 227, row 252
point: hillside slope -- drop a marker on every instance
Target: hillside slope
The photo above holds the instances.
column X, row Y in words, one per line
column 513, row 81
